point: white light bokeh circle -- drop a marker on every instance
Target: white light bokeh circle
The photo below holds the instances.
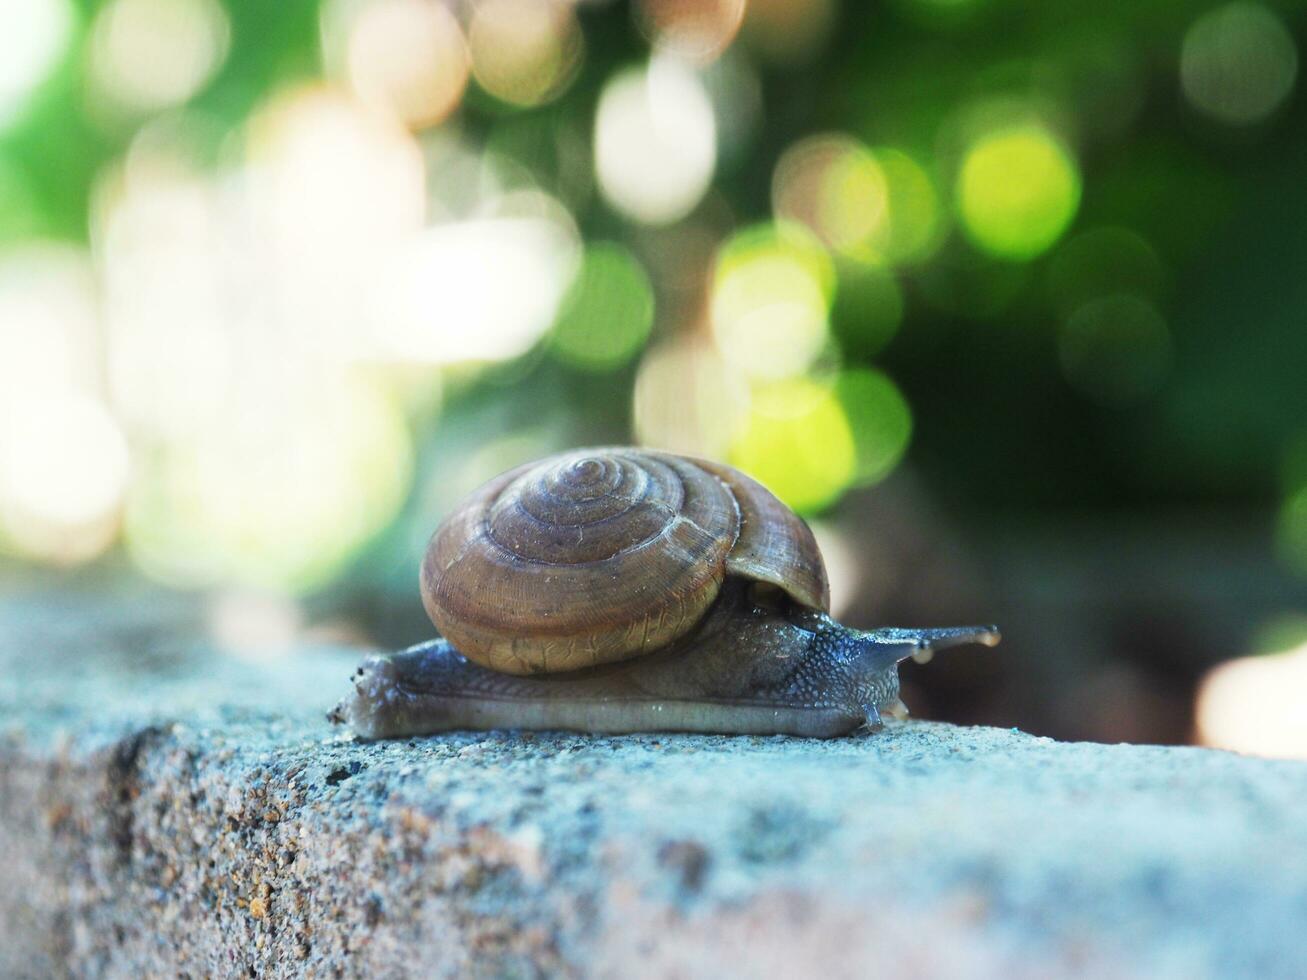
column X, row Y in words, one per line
column 49, row 320
column 688, row 399
column 150, row 54
column 655, row 141
column 697, row 30
column 63, row 475
column 482, row 289
column 63, row 457
column 526, row 52
column 33, row 36
column 337, row 193
column 1255, row 705
column 409, row 57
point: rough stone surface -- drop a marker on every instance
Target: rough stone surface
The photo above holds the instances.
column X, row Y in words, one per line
column 166, row 810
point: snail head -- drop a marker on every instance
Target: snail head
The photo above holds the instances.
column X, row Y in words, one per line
column 872, row 658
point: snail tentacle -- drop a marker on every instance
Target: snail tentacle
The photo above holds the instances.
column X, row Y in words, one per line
column 893, row 644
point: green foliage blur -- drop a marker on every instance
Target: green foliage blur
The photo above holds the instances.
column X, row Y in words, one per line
column 1045, row 256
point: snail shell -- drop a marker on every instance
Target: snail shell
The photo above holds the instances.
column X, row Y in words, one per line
column 602, row 555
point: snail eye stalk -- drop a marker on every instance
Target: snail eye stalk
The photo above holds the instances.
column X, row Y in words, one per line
column 891, row 644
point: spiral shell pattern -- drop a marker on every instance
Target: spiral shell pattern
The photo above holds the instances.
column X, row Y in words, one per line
column 600, row 555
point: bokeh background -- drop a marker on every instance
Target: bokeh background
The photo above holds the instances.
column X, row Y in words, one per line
column 1007, row 297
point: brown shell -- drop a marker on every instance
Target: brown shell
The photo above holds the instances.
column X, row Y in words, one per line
column 599, row 555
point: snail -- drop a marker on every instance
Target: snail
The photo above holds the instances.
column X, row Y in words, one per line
column 623, row 590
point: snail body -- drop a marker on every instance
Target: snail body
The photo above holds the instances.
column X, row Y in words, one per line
column 622, row 590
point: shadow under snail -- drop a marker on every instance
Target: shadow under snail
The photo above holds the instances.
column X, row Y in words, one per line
column 624, row 590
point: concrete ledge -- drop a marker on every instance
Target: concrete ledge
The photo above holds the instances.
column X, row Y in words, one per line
column 198, row 817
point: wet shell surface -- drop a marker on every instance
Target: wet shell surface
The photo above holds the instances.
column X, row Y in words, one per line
column 600, row 555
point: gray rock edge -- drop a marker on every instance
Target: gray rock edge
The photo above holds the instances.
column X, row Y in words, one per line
column 196, row 816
